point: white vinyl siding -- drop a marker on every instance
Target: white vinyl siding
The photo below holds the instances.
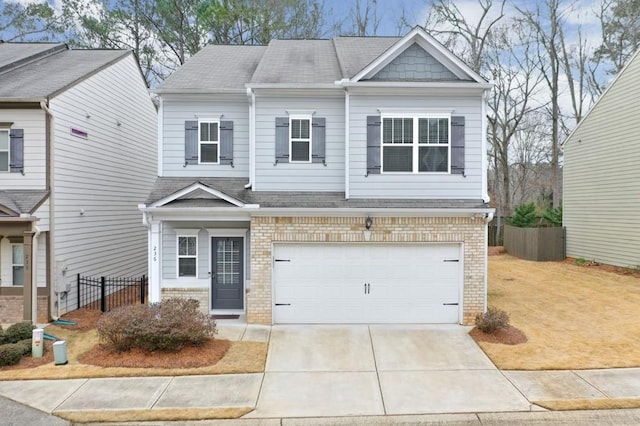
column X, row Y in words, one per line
column 601, row 194
column 416, row 185
column 175, row 111
column 105, row 176
column 33, row 122
column 294, row 176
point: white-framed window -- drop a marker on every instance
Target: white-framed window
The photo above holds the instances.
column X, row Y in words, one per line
column 416, row 144
column 209, row 141
column 187, row 253
column 17, row 264
column 300, row 138
column 4, row 150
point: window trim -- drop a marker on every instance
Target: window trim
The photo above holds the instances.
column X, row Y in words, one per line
column 13, row 265
column 200, row 142
column 8, row 130
column 291, row 139
column 186, row 233
column 416, row 141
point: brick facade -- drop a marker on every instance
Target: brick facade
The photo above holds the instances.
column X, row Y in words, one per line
column 199, row 294
column 12, row 309
column 268, row 230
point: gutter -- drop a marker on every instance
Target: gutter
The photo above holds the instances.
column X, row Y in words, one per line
column 416, row 85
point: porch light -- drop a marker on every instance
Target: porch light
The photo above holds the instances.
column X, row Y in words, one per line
column 368, row 222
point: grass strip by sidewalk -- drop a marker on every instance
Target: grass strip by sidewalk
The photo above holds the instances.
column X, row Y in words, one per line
column 165, row 414
column 589, row 404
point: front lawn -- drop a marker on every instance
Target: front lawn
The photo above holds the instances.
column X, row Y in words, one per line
column 575, row 317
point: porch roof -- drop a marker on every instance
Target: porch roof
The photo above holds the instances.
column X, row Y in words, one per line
column 19, row 201
column 234, row 187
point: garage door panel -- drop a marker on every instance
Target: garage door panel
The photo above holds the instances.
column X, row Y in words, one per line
column 366, row 283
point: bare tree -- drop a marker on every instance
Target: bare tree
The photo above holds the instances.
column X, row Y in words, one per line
column 363, row 20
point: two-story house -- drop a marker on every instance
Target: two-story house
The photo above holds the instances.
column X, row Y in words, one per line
column 323, row 181
column 77, row 155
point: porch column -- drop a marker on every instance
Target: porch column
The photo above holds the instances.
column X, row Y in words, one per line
column 155, row 261
column 27, row 290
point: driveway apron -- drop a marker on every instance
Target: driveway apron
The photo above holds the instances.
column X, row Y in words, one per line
column 346, row 370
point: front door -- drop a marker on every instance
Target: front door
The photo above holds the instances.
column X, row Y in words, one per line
column 227, row 276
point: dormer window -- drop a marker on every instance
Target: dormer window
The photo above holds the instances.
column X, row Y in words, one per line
column 209, row 142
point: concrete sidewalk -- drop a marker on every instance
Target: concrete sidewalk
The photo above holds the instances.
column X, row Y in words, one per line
column 327, row 371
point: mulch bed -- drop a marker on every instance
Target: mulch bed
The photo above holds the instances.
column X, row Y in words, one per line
column 86, row 319
column 189, row 357
column 506, row 336
column 28, row 362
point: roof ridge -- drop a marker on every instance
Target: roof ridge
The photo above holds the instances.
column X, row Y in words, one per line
column 56, row 48
column 343, row 71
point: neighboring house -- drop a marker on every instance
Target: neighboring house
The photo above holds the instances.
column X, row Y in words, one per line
column 601, row 197
column 77, row 155
column 319, row 181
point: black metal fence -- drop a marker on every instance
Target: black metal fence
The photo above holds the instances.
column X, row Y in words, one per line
column 107, row 293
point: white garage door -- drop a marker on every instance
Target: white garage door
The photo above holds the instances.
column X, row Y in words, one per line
column 367, row 283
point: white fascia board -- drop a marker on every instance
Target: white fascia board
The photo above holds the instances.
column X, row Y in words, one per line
column 193, row 187
column 198, row 91
column 198, row 213
column 291, row 86
column 417, row 85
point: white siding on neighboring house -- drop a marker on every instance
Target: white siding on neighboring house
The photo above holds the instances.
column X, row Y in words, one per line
column 299, row 177
column 99, row 181
column 601, row 198
column 422, row 185
column 226, row 108
column 33, row 122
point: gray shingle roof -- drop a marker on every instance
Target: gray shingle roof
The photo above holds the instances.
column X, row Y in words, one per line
column 12, row 53
column 22, row 201
column 47, row 75
column 298, row 61
column 234, row 187
column 216, row 67
column 355, row 53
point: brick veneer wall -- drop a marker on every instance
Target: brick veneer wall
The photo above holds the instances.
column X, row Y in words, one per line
column 199, row 294
column 268, row 230
column 12, row 309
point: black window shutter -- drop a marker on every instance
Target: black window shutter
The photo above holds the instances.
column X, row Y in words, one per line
column 373, row 144
column 457, row 145
column 282, row 139
column 226, row 142
column 190, row 142
column 318, row 140
column 16, row 156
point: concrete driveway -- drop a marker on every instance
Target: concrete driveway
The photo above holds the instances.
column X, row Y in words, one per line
column 347, row 370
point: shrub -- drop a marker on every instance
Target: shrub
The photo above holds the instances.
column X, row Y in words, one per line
column 165, row 326
column 524, row 216
column 553, row 216
column 10, row 354
column 26, row 346
column 492, row 320
column 2, row 336
column 18, row 331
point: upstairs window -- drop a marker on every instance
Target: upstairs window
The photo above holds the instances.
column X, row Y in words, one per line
column 209, row 142
column 300, row 139
column 187, row 255
column 4, row 150
column 415, row 144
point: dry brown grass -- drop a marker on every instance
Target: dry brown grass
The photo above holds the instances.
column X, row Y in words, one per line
column 574, row 317
column 181, row 414
column 589, row 404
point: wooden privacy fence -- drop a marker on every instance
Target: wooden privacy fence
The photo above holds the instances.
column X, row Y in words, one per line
column 539, row 244
column 494, row 238
column 107, row 293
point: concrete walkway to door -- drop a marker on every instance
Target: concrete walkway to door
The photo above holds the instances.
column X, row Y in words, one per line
column 347, row 370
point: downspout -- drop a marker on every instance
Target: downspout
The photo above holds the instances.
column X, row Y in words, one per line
column 34, row 273
column 252, row 137
column 160, row 136
column 485, row 168
column 347, row 143
column 50, row 186
column 487, row 218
